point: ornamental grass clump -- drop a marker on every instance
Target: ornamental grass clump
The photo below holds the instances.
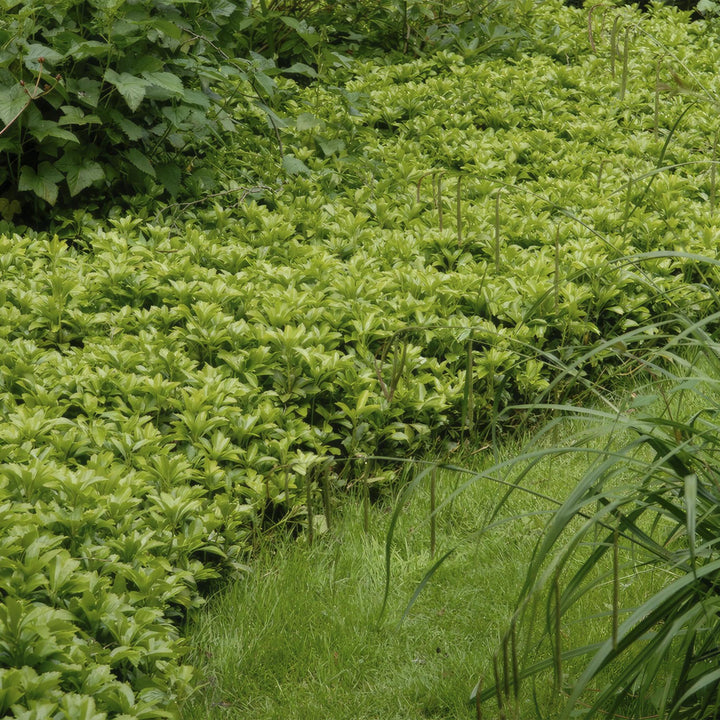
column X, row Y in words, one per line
column 620, row 605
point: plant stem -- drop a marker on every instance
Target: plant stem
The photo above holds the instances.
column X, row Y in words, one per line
column 557, row 651
column 459, row 210
column 626, row 52
column 497, row 228
column 713, row 173
column 656, row 115
column 628, row 195
column 366, row 501
column 433, row 481
column 308, row 503
column 613, row 44
column 468, row 396
column 556, row 280
column 326, row 496
column 440, row 203
column 616, row 587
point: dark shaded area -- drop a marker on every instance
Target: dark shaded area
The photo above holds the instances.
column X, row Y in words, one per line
column 645, row 5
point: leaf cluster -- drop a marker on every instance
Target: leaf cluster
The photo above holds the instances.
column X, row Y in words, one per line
column 109, row 98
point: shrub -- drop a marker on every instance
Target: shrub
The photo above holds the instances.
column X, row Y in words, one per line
column 104, row 98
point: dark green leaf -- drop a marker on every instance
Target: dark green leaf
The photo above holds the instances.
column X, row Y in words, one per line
column 83, row 176
column 165, row 80
column 301, row 69
column 169, row 176
column 140, row 161
column 50, row 129
column 43, row 182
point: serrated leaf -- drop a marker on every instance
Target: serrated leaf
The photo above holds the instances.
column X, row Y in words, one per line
column 195, row 97
column 86, row 90
column 13, row 100
column 169, row 175
column 72, row 116
column 131, row 129
column 83, row 176
column 43, row 182
column 222, row 9
column 299, row 68
column 130, row 87
column 331, row 147
column 168, row 28
column 140, row 161
column 44, row 129
column 36, row 51
column 307, row 121
column 88, row 48
column 295, row 166
column 166, row 81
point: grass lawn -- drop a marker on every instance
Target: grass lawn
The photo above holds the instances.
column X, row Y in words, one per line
column 300, row 636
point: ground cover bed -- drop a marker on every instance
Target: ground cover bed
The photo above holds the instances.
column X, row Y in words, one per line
column 439, row 236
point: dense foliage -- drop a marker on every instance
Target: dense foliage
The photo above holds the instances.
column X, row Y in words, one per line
column 101, row 100
column 170, row 380
column 110, row 95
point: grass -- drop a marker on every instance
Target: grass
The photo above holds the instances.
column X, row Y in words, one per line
column 300, row 636
column 631, row 556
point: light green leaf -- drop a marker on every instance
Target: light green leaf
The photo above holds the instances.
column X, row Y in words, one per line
column 265, row 82
column 166, row 81
column 130, row 87
column 43, row 183
column 140, row 161
column 307, row 121
column 88, row 48
column 36, row 51
column 12, row 101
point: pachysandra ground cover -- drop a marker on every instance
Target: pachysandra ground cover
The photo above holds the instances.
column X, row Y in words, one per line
column 443, row 229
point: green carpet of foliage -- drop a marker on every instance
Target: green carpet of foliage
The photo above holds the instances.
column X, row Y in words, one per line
column 438, row 233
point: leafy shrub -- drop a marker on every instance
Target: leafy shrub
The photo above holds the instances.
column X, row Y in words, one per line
column 313, row 32
column 111, row 97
